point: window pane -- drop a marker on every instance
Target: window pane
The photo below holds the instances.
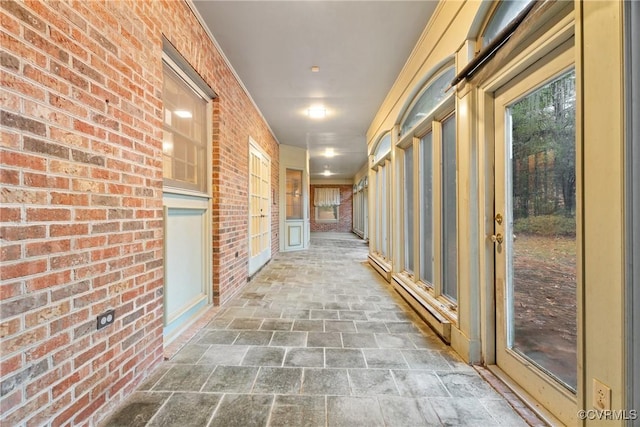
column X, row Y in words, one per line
column 408, row 209
column 428, row 100
column 449, row 226
column 506, row 11
column 327, row 213
column 294, row 194
column 542, row 234
column 184, row 134
column 384, row 146
column 426, row 209
column 384, row 209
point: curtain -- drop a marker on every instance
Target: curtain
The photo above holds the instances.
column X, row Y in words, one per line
column 326, row 197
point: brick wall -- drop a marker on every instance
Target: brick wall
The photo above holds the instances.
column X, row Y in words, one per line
column 345, row 213
column 81, row 212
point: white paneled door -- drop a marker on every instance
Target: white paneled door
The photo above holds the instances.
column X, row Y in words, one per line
column 259, row 207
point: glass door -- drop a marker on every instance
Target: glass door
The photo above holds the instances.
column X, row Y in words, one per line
column 259, row 208
column 535, row 235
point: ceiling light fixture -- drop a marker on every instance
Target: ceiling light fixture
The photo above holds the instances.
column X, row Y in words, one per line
column 329, row 152
column 184, row 114
column 327, row 173
column 315, row 69
column 317, row 112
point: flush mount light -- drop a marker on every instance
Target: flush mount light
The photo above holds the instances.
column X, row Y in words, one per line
column 315, row 69
column 184, row 114
column 329, row 152
column 317, row 112
column 326, row 173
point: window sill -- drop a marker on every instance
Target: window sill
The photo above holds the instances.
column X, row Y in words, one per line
column 434, row 312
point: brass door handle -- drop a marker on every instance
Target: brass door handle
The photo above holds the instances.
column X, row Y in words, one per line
column 497, row 238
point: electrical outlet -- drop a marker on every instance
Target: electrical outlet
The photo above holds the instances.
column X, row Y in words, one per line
column 601, row 396
column 105, row 319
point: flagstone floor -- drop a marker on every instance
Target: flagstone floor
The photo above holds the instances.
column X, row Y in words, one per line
column 317, row 338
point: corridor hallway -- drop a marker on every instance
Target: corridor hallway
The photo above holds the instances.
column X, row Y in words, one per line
column 316, row 338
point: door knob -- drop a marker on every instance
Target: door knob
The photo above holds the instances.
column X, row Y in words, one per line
column 497, row 238
column 498, row 218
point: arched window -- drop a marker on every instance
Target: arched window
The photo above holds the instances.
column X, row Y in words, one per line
column 504, row 13
column 431, row 96
column 384, row 147
column 427, row 158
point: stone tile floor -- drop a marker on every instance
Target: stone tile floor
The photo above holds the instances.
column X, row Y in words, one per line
column 317, row 338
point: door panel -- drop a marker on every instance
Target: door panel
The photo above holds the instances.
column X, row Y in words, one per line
column 259, row 208
column 186, row 258
column 535, row 235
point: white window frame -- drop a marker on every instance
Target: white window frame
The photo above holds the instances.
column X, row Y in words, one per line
column 328, row 221
column 432, row 122
column 169, row 186
column 381, row 183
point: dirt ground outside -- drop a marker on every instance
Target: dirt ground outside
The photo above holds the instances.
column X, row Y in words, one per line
column 545, row 303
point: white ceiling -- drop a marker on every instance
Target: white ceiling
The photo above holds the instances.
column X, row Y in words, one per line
column 360, row 47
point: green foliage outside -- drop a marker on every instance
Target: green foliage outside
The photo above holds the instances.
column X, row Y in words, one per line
column 543, row 151
column 546, row 225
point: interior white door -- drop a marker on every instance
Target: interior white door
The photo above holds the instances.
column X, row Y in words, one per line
column 535, row 234
column 259, row 208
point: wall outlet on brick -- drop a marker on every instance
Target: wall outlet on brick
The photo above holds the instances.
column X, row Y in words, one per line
column 105, row 319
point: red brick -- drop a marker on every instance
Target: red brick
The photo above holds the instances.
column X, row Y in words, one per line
column 22, row 341
column 56, row 230
column 88, row 186
column 28, row 409
column 68, row 168
column 48, row 214
column 48, row 281
column 47, row 413
column 67, row 415
column 69, row 321
column 10, row 327
column 11, row 364
column 10, row 290
column 90, row 271
column 16, row 233
column 74, row 379
column 65, row 104
column 69, row 260
column 72, row 199
column 86, row 356
column 9, row 214
column 23, row 86
column 36, row 75
column 64, row 72
column 9, row 139
column 23, row 196
column 89, row 300
column 47, row 247
column 22, row 269
column 26, row 161
column 102, row 254
column 90, row 214
column 43, row 315
column 9, row 177
column 11, row 401
column 45, row 181
column 47, row 380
